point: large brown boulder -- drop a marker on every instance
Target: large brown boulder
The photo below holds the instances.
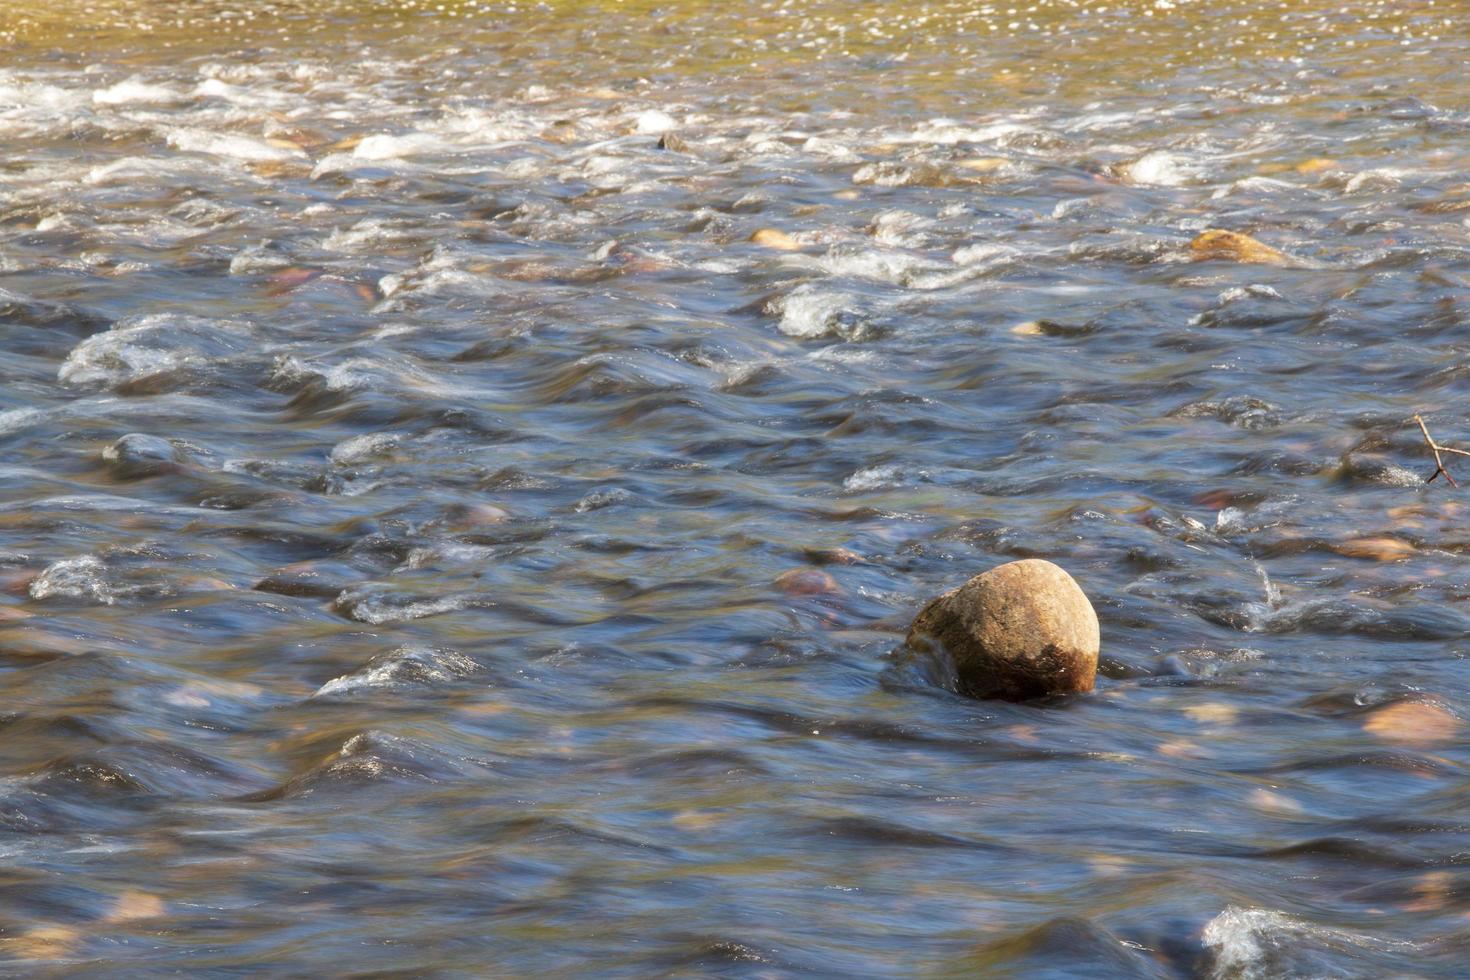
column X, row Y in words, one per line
column 1021, row 630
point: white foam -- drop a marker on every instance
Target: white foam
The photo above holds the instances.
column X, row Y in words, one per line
column 230, row 145
column 19, row 418
column 1255, row 944
column 385, row 147
column 142, row 346
column 134, row 91
column 361, row 448
column 878, row 265
column 379, row 609
column 408, row 665
column 873, row 478
column 75, row 578
column 655, row 121
column 812, row 311
column 1158, row 168
column 947, row 132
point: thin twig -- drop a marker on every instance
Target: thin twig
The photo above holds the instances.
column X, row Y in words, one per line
column 1436, row 448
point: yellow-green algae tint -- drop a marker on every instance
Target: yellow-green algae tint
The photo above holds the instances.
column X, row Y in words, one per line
column 933, row 47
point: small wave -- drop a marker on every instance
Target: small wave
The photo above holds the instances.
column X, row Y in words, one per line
column 811, row 311
column 407, row 666
column 153, row 345
column 376, row 605
column 134, row 91
column 1252, row 943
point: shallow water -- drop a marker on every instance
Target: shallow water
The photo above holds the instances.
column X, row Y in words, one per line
column 435, row 614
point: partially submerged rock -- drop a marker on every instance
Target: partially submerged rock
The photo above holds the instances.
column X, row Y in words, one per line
column 1232, row 246
column 775, row 238
column 136, row 456
column 1021, row 630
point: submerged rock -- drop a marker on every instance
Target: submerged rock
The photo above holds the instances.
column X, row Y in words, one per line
column 1215, row 243
column 807, row 581
column 1021, row 630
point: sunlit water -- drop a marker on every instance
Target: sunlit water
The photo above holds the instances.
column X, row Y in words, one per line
column 543, row 421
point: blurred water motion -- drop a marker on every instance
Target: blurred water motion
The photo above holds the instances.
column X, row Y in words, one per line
column 468, row 469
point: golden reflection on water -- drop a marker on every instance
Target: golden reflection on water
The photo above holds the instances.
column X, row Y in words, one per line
column 1002, row 48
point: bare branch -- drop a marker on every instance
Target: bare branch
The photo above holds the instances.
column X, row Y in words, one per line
column 1436, row 448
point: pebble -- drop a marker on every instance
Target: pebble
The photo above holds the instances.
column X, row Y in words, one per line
column 1024, row 629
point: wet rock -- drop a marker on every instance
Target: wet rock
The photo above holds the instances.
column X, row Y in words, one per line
column 1234, row 247
column 1051, row 328
column 806, row 581
column 310, row 579
column 1315, row 165
column 673, row 142
column 982, row 165
column 775, row 238
column 1024, row 629
column 1381, row 548
column 468, row 517
column 136, row 456
column 833, row 556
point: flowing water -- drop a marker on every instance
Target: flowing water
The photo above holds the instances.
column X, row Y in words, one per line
column 468, row 469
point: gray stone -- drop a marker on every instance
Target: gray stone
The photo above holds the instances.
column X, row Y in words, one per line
column 1021, row 630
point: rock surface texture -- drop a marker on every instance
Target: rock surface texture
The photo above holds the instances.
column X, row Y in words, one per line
column 1022, row 630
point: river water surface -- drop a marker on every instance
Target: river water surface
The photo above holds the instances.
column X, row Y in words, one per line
column 466, row 470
